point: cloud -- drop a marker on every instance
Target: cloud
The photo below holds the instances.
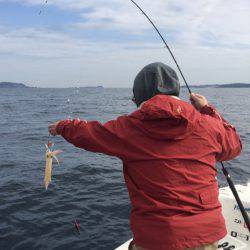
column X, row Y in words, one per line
column 57, row 58
column 227, row 21
column 47, row 44
column 47, row 58
column 211, row 40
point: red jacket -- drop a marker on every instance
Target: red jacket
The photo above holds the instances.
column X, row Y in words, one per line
column 169, row 151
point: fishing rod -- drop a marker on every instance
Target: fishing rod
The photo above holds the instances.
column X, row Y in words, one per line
column 236, row 195
column 164, row 41
column 225, row 172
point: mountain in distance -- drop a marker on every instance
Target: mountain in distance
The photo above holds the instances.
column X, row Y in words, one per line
column 227, row 85
column 98, row 86
column 234, row 85
column 12, row 85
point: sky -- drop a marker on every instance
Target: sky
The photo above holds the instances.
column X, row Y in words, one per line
column 75, row 43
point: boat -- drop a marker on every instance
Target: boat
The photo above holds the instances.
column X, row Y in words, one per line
column 238, row 237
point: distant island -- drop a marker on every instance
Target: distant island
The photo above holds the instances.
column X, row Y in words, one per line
column 12, row 85
column 91, row 87
column 234, row 85
column 228, row 85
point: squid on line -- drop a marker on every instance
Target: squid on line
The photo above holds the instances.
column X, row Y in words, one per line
column 50, row 154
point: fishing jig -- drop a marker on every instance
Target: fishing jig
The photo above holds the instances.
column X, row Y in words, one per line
column 77, row 226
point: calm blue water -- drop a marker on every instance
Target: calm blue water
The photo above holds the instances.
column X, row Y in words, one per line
column 87, row 187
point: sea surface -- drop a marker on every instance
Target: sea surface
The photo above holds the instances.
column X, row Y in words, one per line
column 86, row 187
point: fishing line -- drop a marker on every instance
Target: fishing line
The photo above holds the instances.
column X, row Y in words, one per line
column 43, row 6
column 50, row 143
column 69, row 109
column 69, row 104
column 225, row 172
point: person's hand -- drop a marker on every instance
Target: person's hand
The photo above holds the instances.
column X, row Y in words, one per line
column 198, row 101
column 52, row 128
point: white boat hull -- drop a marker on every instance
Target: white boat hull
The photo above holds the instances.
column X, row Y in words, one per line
column 238, row 237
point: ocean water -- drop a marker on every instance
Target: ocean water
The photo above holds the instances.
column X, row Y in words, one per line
column 86, row 187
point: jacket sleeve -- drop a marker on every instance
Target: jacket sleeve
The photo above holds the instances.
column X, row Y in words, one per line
column 229, row 140
column 94, row 137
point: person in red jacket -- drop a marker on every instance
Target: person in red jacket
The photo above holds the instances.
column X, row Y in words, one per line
column 169, row 150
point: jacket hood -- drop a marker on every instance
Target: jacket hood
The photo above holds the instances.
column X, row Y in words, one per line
column 153, row 79
column 165, row 117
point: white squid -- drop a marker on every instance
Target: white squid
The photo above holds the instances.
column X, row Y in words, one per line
column 49, row 161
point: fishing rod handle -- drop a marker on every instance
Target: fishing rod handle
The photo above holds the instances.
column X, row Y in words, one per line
column 236, row 196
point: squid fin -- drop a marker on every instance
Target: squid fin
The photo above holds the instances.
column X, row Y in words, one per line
column 56, row 152
column 56, row 159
